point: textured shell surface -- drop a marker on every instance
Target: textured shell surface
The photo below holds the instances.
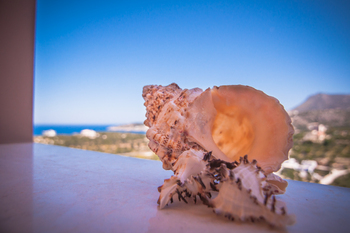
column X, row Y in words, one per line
column 231, row 121
column 166, row 116
column 206, row 137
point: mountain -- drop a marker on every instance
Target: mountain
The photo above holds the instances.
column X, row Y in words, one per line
column 331, row 110
column 324, row 101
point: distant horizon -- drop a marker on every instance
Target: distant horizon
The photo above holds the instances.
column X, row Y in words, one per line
column 92, row 58
column 85, row 124
column 141, row 122
column 71, row 129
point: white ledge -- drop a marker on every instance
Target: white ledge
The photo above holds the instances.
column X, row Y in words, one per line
column 56, row 189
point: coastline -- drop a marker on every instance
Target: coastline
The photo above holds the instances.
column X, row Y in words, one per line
column 68, row 129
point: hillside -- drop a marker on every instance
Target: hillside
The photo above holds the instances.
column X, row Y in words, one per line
column 330, row 110
column 325, row 101
column 321, row 150
column 329, row 117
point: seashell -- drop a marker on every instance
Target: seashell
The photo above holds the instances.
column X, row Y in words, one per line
column 230, row 121
column 189, row 166
column 241, row 198
column 241, row 195
column 166, row 116
column 205, row 137
column 245, row 121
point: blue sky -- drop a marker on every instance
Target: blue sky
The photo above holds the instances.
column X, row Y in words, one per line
column 92, row 58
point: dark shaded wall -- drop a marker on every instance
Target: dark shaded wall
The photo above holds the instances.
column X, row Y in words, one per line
column 17, row 26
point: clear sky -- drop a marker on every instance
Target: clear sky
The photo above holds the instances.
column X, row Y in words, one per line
column 92, row 58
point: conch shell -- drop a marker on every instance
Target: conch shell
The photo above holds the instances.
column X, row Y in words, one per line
column 228, row 124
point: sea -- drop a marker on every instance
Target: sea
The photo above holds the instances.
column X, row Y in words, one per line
column 74, row 129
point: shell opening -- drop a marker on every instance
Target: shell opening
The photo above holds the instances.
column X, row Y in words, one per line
column 233, row 132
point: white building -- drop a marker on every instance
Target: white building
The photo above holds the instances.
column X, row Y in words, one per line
column 89, row 133
column 49, row 133
column 317, row 134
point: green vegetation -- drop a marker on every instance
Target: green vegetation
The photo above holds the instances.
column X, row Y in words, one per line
column 331, row 153
column 129, row 144
column 337, row 144
column 287, row 172
column 321, row 172
column 343, row 181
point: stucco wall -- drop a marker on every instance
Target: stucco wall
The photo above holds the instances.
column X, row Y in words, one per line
column 17, row 24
